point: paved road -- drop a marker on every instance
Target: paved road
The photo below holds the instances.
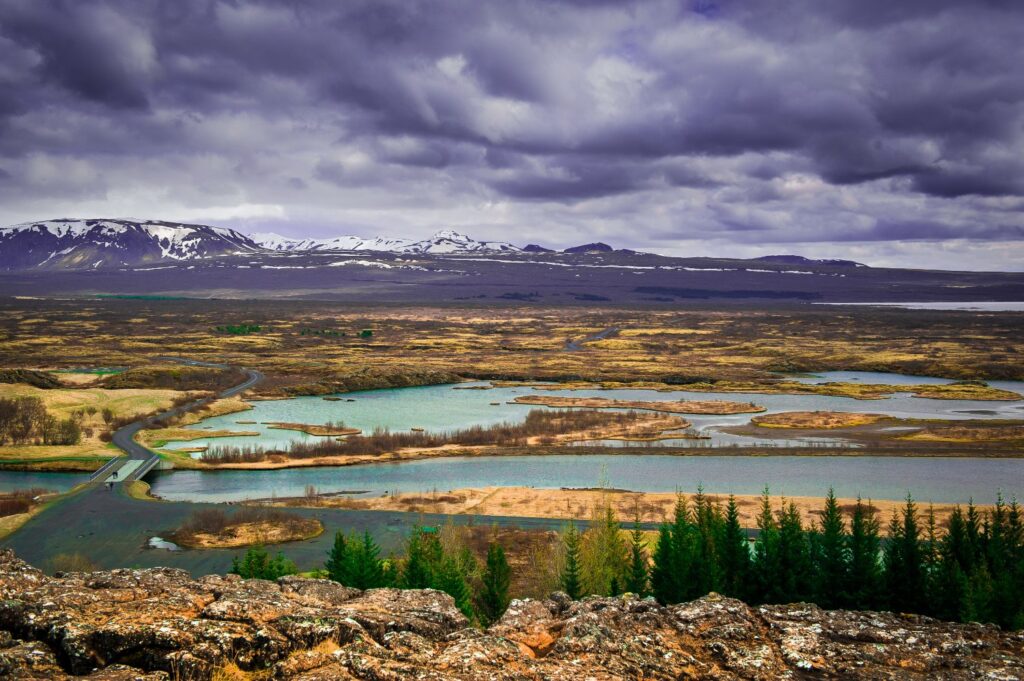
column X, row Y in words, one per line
column 124, row 438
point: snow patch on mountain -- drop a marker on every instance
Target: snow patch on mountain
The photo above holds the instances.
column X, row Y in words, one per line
column 93, row 243
column 445, row 241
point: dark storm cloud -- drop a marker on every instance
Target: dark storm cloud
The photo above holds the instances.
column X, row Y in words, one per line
column 918, row 230
column 797, row 120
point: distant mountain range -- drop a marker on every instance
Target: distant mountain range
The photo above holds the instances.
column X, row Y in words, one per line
column 117, row 243
column 92, row 244
column 152, row 258
column 445, row 241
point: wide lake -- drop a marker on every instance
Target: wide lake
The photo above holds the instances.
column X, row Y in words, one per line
column 954, row 480
column 448, row 407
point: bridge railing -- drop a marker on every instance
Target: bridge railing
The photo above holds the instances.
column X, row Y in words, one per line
column 106, row 468
column 140, row 472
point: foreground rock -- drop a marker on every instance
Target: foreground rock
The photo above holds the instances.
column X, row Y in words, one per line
column 160, row 624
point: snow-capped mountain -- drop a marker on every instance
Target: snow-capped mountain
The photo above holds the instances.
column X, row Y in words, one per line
column 276, row 242
column 99, row 243
column 445, row 241
column 87, row 244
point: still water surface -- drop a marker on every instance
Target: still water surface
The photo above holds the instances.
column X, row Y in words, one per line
column 447, row 407
column 954, row 480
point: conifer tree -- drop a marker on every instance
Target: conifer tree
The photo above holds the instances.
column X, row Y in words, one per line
column 258, row 564
column 951, row 597
column 637, row 574
column 337, row 560
column 420, row 560
column 366, row 571
column 706, row 567
column 448, row 578
column 570, row 578
column 997, row 590
column 603, row 553
column 864, row 584
column 904, row 561
column 766, row 564
column 831, row 557
column 683, row 560
column 734, row 553
column 794, row 557
column 663, row 579
column 497, row 577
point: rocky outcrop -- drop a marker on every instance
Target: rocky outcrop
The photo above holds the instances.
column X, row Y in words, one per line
column 161, row 624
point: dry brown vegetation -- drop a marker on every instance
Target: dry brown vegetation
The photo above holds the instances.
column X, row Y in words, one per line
column 815, row 419
column 250, row 525
column 669, row 406
column 326, row 429
column 578, row 504
column 417, row 345
column 727, row 350
column 970, row 433
column 20, row 500
column 539, row 427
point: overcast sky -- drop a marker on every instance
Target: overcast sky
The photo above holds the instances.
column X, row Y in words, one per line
column 886, row 131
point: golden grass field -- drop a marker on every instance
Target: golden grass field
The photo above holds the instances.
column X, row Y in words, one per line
column 725, row 350
column 91, row 452
column 577, row 504
column 728, row 348
column 252, row 534
column 671, row 407
column 815, row 419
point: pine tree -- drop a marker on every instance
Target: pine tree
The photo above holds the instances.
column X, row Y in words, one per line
column 337, row 560
column 950, row 586
column 603, row 553
column 831, row 557
column 419, row 562
column 571, row 571
column 663, row 580
column 637, row 573
column 683, row 560
column 366, row 571
column 707, row 518
column 794, row 556
column 257, row 564
column 999, row 598
column 864, row 579
column 497, row 577
column 734, row 553
column 904, row 561
column 766, row 564
column 448, row 578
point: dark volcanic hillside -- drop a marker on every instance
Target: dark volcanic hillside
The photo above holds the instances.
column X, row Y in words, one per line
column 84, row 244
column 533, row 278
column 124, row 257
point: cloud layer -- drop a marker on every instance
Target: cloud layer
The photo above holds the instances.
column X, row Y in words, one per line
column 892, row 131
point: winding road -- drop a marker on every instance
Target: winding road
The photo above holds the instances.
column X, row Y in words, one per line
column 141, row 460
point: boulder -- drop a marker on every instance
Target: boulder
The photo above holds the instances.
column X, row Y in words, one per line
column 161, row 624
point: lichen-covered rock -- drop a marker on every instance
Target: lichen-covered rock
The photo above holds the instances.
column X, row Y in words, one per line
column 160, row 624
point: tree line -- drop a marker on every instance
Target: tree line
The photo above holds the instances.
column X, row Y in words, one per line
column 971, row 569
column 481, row 592
column 25, row 420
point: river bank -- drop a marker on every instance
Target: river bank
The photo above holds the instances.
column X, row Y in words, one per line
column 581, row 504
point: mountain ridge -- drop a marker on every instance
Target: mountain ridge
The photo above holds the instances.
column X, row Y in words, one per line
column 100, row 243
